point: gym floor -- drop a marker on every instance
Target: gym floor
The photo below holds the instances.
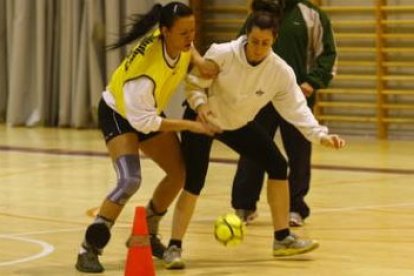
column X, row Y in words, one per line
column 53, row 180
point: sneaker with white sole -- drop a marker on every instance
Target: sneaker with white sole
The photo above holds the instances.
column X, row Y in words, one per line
column 293, row 245
column 157, row 247
column 295, row 220
column 172, row 258
column 247, row 216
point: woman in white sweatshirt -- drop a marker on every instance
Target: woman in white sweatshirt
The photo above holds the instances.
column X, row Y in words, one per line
column 251, row 76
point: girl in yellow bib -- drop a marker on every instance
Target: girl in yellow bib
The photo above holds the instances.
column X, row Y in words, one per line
column 131, row 119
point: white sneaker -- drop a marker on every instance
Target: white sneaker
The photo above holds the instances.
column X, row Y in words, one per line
column 172, row 258
column 295, row 220
column 293, row 245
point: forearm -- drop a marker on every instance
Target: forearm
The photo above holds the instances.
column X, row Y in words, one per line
column 175, row 125
column 293, row 108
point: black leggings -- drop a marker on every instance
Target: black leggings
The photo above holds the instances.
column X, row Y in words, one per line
column 250, row 140
column 249, row 177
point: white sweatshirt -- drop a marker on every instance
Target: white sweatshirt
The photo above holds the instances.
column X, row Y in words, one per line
column 240, row 90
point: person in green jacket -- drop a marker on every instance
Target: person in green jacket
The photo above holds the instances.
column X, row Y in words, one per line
column 306, row 42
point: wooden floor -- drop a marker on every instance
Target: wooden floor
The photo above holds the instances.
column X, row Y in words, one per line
column 51, row 182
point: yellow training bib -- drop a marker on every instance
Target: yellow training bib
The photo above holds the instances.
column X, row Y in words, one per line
column 147, row 59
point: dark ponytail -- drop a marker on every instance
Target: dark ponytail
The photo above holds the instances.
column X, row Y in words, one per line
column 163, row 16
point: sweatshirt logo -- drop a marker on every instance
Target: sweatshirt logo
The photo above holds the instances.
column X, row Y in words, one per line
column 259, row 92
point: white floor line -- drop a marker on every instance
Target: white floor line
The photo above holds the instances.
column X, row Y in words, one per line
column 46, row 250
column 357, row 208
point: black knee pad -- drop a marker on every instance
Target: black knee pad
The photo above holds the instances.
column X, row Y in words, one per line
column 97, row 235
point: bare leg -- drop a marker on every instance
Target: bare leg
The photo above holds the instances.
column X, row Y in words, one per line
column 183, row 212
column 126, row 144
column 278, row 199
column 98, row 233
column 165, row 150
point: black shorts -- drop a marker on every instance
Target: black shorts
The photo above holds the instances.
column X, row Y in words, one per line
column 113, row 124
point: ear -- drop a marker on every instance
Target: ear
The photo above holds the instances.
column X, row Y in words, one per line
column 164, row 31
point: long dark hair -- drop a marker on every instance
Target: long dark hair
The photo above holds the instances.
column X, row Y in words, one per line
column 164, row 16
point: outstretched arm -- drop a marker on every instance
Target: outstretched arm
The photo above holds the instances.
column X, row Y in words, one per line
column 142, row 114
column 291, row 104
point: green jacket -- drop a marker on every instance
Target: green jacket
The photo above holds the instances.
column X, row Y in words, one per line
column 306, row 42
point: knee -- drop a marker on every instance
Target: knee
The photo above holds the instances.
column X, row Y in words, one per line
column 193, row 187
column 129, row 179
column 192, row 190
column 177, row 176
column 127, row 186
column 278, row 170
column 131, row 184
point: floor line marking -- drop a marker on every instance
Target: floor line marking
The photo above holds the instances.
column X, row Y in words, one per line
column 46, row 250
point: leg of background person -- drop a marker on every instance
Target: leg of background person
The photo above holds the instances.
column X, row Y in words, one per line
column 298, row 151
column 247, row 185
column 248, row 180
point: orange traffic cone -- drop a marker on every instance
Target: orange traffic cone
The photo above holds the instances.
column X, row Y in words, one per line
column 139, row 260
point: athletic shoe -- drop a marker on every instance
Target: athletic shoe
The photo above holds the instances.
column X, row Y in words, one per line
column 247, row 216
column 293, row 245
column 295, row 219
column 157, row 247
column 153, row 221
column 89, row 261
column 172, row 258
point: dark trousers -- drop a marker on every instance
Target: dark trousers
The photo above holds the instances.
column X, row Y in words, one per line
column 248, row 181
column 250, row 140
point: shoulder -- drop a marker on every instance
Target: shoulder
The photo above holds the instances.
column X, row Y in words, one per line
column 309, row 5
column 278, row 62
column 221, row 53
column 280, row 67
column 313, row 9
column 219, row 49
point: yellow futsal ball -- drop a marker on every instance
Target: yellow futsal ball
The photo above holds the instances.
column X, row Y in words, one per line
column 229, row 230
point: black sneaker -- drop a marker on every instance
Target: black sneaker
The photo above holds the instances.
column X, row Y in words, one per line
column 157, row 247
column 89, row 262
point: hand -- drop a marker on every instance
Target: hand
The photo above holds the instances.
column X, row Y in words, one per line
column 201, row 128
column 208, row 69
column 203, row 112
column 333, row 141
column 207, row 117
column 307, row 89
